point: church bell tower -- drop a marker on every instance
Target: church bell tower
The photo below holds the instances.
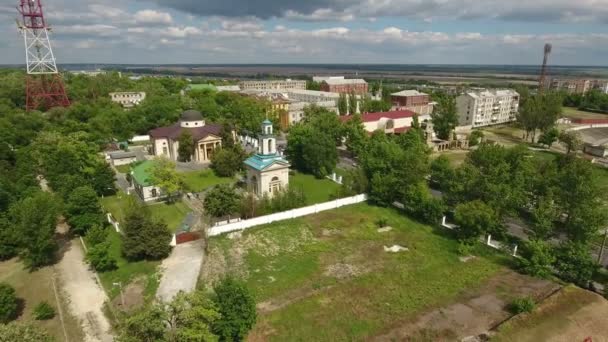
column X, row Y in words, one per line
column 267, row 141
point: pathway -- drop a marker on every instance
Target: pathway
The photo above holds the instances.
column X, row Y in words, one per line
column 85, row 294
column 181, row 270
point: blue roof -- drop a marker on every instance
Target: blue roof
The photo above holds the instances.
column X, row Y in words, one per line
column 261, row 162
column 266, row 122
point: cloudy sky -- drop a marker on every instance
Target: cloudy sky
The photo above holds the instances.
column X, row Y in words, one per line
column 318, row 31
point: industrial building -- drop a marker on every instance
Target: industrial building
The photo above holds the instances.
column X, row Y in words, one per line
column 488, row 107
column 345, row 86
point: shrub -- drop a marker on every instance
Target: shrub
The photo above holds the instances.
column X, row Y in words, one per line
column 8, row 303
column 475, row 138
column 99, row 257
column 44, row 311
column 23, row 332
column 96, row 235
column 521, row 305
column 465, row 248
column 382, row 222
column 144, row 238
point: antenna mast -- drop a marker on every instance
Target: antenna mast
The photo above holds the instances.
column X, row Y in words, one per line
column 542, row 82
column 44, row 87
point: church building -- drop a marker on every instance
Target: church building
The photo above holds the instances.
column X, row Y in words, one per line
column 207, row 139
column 267, row 171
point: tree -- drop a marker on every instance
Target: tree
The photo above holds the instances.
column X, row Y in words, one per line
column 185, row 151
column 35, row 219
column 9, row 240
column 96, row 235
column 311, row 151
column 549, row 137
column 23, row 332
column 83, row 210
column 475, row 137
column 99, row 257
column 544, row 213
column 352, row 103
column 312, row 85
column 44, row 311
column 222, row 200
column 188, row 317
column 537, row 259
column 574, row 263
column 539, row 111
column 228, row 161
column 164, row 175
column 144, row 238
column 442, row 172
column 342, row 104
column 227, row 136
column 355, row 133
column 237, row 309
column 445, row 117
column 474, row 219
column 8, row 303
column 571, row 140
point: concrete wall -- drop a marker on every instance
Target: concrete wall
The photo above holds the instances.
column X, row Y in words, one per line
column 286, row 215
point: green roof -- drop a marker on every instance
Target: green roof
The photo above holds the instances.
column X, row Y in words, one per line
column 261, row 162
column 141, row 173
column 202, row 87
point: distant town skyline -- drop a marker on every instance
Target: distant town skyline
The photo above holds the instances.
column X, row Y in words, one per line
column 318, row 31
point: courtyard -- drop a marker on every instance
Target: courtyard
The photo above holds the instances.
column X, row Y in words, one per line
column 330, row 277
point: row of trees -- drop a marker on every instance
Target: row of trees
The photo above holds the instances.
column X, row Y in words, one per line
column 227, row 315
column 594, row 100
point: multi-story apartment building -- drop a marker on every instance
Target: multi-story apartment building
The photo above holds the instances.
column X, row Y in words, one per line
column 268, row 85
column 128, row 99
column 320, row 79
column 579, row 86
column 488, row 107
column 345, row 86
column 412, row 100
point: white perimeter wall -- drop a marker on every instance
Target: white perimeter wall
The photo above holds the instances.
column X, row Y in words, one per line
column 286, row 215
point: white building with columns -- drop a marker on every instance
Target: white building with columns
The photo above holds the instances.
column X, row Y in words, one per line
column 207, row 138
column 267, row 170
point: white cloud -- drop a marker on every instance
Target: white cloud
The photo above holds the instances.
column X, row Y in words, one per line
column 152, row 17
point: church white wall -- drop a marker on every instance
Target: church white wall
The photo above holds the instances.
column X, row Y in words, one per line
column 158, row 147
column 267, row 176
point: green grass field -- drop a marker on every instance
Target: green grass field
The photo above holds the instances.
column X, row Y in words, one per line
column 574, row 113
column 35, row 287
column 172, row 214
column 316, row 190
column 123, row 168
column 327, row 277
column 128, row 271
column 198, row 181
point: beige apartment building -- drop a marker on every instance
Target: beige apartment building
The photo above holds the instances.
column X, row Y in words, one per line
column 487, row 107
column 267, row 85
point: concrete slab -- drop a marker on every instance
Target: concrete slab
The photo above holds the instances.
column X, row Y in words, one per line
column 180, row 270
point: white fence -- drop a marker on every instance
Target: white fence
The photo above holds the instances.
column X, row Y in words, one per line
column 286, row 215
column 113, row 222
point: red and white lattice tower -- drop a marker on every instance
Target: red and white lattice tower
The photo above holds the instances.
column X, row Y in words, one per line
column 45, row 87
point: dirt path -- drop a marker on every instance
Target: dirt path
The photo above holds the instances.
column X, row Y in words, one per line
column 181, row 270
column 85, row 295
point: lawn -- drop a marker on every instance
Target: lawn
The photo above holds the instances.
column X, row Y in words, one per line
column 327, row 277
column 504, row 134
column 172, row 214
column 574, row 113
column 128, row 271
column 35, row 287
column 123, row 168
column 198, row 181
column 316, row 190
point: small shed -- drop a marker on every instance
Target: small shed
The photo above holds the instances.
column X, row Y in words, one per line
column 141, row 181
column 122, row 158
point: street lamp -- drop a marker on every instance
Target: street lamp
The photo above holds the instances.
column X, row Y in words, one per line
column 122, row 297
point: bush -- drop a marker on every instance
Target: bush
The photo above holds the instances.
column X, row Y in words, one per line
column 237, row 309
column 44, row 311
column 23, row 332
column 537, row 259
column 228, row 161
column 521, row 305
column 96, row 235
column 465, row 248
column 9, row 304
column 99, row 257
column 475, row 138
column 145, row 239
column 382, row 222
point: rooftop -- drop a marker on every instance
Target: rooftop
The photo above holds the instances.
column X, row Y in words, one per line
column 493, row 93
column 340, row 81
column 373, row 117
column 261, row 162
column 122, row 154
column 141, row 173
column 314, row 93
column 409, row 93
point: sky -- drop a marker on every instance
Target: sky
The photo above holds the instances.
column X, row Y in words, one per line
column 317, row 31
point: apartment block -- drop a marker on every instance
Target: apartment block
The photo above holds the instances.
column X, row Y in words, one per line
column 128, row 99
column 488, row 107
column 345, row 86
column 267, row 85
column 412, row 100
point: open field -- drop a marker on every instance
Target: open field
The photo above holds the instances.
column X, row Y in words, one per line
column 197, row 181
column 35, row 287
column 123, row 168
column 572, row 314
column 574, row 113
column 316, row 190
column 328, row 277
column 504, row 134
column 142, row 272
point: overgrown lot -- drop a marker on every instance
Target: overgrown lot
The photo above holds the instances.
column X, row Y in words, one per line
column 328, row 276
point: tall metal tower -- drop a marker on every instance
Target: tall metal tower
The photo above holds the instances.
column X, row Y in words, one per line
column 44, row 86
column 542, row 82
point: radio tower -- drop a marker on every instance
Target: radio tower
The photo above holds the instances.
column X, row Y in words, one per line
column 44, row 87
column 542, row 82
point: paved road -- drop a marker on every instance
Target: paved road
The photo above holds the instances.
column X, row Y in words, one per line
column 181, row 270
column 86, row 297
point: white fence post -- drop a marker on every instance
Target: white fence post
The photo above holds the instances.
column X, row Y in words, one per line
column 515, row 251
column 489, row 240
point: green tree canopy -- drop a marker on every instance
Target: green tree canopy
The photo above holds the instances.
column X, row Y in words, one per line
column 222, row 200
column 237, row 310
column 143, row 237
column 185, row 150
column 445, row 117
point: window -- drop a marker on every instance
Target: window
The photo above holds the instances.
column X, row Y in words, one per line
column 270, row 146
column 154, row 192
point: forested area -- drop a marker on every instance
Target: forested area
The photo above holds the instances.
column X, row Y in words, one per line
column 594, row 100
